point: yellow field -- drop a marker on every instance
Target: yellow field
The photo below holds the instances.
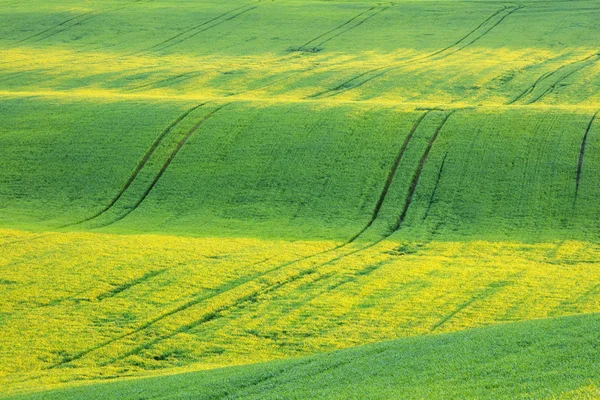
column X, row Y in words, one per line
column 294, row 77
column 84, row 305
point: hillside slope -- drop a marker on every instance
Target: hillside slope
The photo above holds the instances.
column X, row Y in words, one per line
column 189, row 185
column 533, row 360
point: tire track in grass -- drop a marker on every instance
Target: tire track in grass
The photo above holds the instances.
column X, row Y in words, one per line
column 140, row 166
column 312, row 46
column 582, row 155
column 470, row 38
column 198, row 29
column 60, row 25
column 414, row 183
column 166, row 165
column 243, row 291
column 197, row 298
column 128, row 285
column 529, row 95
column 267, row 287
column 435, row 188
column 489, row 291
column 391, row 174
column 72, row 22
column 238, row 285
column 417, row 175
column 571, row 305
column 167, row 81
column 29, row 239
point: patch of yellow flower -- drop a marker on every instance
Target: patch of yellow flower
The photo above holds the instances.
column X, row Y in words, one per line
column 108, row 305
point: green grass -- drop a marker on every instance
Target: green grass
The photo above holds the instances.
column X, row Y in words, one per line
column 193, row 185
column 298, row 171
column 537, row 359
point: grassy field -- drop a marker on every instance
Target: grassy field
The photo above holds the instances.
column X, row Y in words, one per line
column 191, row 185
column 511, row 361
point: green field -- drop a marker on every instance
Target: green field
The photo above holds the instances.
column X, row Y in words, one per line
column 191, row 185
column 532, row 360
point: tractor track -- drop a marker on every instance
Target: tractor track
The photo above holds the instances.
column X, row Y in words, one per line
column 311, row 47
column 240, row 299
column 585, row 62
column 169, row 80
column 212, row 315
column 582, row 155
column 73, row 22
column 139, row 167
column 29, row 239
column 435, row 188
column 352, row 27
column 305, row 45
column 134, row 282
column 198, row 29
column 391, row 175
column 417, row 176
column 196, row 299
column 489, row 291
column 180, row 144
column 470, row 38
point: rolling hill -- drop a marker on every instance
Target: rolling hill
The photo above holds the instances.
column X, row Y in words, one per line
column 188, row 185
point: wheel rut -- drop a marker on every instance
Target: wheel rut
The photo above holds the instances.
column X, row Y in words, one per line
column 200, row 28
column 470, row 38
column 149, row 170
column 71, row 23
column 207, row 308
column 582, row 155
column 549, row 81
column 315, row 44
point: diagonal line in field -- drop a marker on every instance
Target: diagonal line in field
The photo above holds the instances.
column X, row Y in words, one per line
column 139, row 167
column 166, row 165
column 417, row 176
column 391, row 175
column 267, row 288
column 577, row 66
column 582, row 155
column 470, row 38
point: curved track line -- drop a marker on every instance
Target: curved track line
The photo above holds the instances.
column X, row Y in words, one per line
column 419, row 171
column 193, row 28
column 352, row 27
column 53, row 27
column 447, row 51
column 338, row 31
column 232, row 286
column 490, row 290
column 549, row 74
column 300, row 48
column 167, row 81
column 561, row 79
column 197, row 299
column 212, row 315
column 63, row 26
column 582, row 155
column 435, row 188
column 139, row 167
column 391, row 175
column 166, row 165
column 197, row 32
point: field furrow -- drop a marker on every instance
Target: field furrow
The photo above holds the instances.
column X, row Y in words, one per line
column 548, row 81
column 473, row 36
column 264, row 199
column 315, row 45
column 582, row 155
column 195, row 31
